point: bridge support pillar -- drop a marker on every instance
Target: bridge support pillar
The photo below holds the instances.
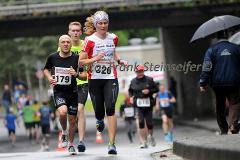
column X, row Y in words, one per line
column 191, row 103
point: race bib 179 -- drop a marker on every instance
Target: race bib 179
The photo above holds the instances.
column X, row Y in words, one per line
column 62, row 76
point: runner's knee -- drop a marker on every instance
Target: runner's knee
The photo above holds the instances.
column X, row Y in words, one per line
column 80, row 107
column 164, row 118
column 62, row 113
column 110, row 111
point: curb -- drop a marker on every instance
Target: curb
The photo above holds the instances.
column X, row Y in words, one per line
column 208, row 148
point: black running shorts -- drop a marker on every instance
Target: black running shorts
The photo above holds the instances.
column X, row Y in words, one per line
column 168, row 111
column 45, row 129
column 104, row 93
column 70, row 99
column 82, row 93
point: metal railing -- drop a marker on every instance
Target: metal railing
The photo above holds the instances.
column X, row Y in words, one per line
column 24, row 2
column 22, row 7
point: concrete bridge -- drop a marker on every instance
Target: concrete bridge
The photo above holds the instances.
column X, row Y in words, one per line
column 177, row 26
column 52, row 18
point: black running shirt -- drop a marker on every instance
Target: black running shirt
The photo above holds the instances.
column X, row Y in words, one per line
column 59, row 67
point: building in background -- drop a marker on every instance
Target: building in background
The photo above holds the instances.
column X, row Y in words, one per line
column 148, row 54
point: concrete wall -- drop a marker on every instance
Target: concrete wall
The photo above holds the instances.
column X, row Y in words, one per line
column 191, row 103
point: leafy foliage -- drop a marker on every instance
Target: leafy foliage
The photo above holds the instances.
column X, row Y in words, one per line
column 124, row 35
column 20, row 54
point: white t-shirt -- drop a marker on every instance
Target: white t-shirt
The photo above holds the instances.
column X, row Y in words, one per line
column 105, row 68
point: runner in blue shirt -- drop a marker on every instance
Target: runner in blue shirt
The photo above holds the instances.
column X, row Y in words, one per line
column 10, row 123
column 164, row 104
column 45, row 114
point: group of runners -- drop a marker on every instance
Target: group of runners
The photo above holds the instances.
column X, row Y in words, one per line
column 79, row 67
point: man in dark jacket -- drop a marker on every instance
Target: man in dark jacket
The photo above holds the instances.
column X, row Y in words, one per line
column 141, row 92
column 221, row 70
column 6, row 98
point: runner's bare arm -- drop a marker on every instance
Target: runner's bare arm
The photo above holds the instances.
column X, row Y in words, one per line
column 173, row 99
column 84, row 60
column 47, row 74
column 119, row 60
column 82, row 76
column 73, row 72
column 49, row 77
column 116, row 57
column 79, row 75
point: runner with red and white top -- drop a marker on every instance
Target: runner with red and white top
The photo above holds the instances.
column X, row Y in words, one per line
column 104, row 68
column 99, row 54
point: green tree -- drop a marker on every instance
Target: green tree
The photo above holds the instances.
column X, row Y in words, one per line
column 19, row 57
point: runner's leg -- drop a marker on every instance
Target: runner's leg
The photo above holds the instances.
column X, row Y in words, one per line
column 110, row 97
column 97, row 97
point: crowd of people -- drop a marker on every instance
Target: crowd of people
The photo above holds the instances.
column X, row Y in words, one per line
column 80, row 67
column 34, row 116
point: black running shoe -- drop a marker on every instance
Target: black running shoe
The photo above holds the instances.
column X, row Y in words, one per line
column 81, row 147
column 71, row 150
column 100, row 125
column 64, row 141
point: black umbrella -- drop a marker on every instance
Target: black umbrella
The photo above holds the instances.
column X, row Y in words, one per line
column 235, row 38
column 214, row 25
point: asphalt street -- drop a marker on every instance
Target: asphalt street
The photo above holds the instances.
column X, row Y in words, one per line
column 25, row 150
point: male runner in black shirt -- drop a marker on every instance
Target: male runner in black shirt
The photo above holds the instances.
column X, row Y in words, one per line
column 141, row 90
column 61, row 70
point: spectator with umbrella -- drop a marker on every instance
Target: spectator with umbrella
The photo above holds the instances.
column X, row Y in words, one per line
column 221, row 70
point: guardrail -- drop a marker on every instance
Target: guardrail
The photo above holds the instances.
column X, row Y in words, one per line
column 23, row 7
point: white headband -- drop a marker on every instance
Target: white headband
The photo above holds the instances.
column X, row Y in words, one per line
column 99, row 16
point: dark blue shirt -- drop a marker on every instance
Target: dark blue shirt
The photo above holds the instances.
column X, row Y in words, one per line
column 221, row 65
column 45, row 112
column 7, row 96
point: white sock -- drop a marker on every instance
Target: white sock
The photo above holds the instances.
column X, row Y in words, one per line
column 64, row 132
